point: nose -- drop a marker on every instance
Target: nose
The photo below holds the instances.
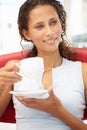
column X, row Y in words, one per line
column 49, row 31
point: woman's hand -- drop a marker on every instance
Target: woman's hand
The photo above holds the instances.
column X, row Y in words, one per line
column 8, row 74
column 49, row 105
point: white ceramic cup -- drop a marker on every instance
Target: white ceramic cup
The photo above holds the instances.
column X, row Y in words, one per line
column 32, row 67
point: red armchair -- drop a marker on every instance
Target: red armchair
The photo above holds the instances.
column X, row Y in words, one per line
column 81, row 56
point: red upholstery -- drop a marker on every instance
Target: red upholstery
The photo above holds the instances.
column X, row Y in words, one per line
column 81, row 56
column 9, row 114
column 13, row 56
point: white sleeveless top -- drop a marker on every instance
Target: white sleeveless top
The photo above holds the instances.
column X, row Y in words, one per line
column 68, row 86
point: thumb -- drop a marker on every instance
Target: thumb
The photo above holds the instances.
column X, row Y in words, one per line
column 50, row 91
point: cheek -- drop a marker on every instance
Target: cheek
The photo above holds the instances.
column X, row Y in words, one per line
column 36, row 37
column 59, row 31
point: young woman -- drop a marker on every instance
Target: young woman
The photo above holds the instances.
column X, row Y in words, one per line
column 44, row 23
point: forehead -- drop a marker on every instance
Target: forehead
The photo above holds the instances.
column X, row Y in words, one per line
column 42, row 11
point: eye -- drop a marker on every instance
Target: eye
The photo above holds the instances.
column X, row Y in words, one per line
column 53, row 22
column 39, row 27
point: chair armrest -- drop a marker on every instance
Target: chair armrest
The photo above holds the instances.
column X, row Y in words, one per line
column 13, row 56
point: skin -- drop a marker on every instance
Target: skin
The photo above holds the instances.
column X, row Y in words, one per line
column 42, row 30
column 8, row 76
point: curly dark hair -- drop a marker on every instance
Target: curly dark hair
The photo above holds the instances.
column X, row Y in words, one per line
column 64, row 47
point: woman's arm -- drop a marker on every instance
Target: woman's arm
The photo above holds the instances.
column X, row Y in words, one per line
column 69, row 119
column 5, row 99
column 8, row 76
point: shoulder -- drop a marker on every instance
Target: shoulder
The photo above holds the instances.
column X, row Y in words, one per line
column 84, row 72
column 73, row 64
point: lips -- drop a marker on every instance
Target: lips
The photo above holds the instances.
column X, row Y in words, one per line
column 50, row 41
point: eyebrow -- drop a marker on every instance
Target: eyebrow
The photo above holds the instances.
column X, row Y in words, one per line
column 38, row 23
column 53, row 18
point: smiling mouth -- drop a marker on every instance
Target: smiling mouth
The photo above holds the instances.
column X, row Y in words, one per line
column 50, row 41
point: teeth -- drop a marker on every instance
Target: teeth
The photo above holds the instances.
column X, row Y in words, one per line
column 50, row 41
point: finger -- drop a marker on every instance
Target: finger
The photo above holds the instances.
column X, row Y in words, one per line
column 12, row 65
column 51, row 92
column 50, row 89
column 12, row 74
column 26, row 101
column 29, row 101
column 8, row 80
column 5, row 84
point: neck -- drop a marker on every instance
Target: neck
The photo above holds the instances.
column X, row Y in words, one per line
column 51, row 60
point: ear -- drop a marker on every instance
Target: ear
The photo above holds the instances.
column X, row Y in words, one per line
column 26, row 34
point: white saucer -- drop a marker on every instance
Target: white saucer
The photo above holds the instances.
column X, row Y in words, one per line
column 39, row 94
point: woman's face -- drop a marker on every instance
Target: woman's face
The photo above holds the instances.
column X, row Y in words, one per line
column 44, row 28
